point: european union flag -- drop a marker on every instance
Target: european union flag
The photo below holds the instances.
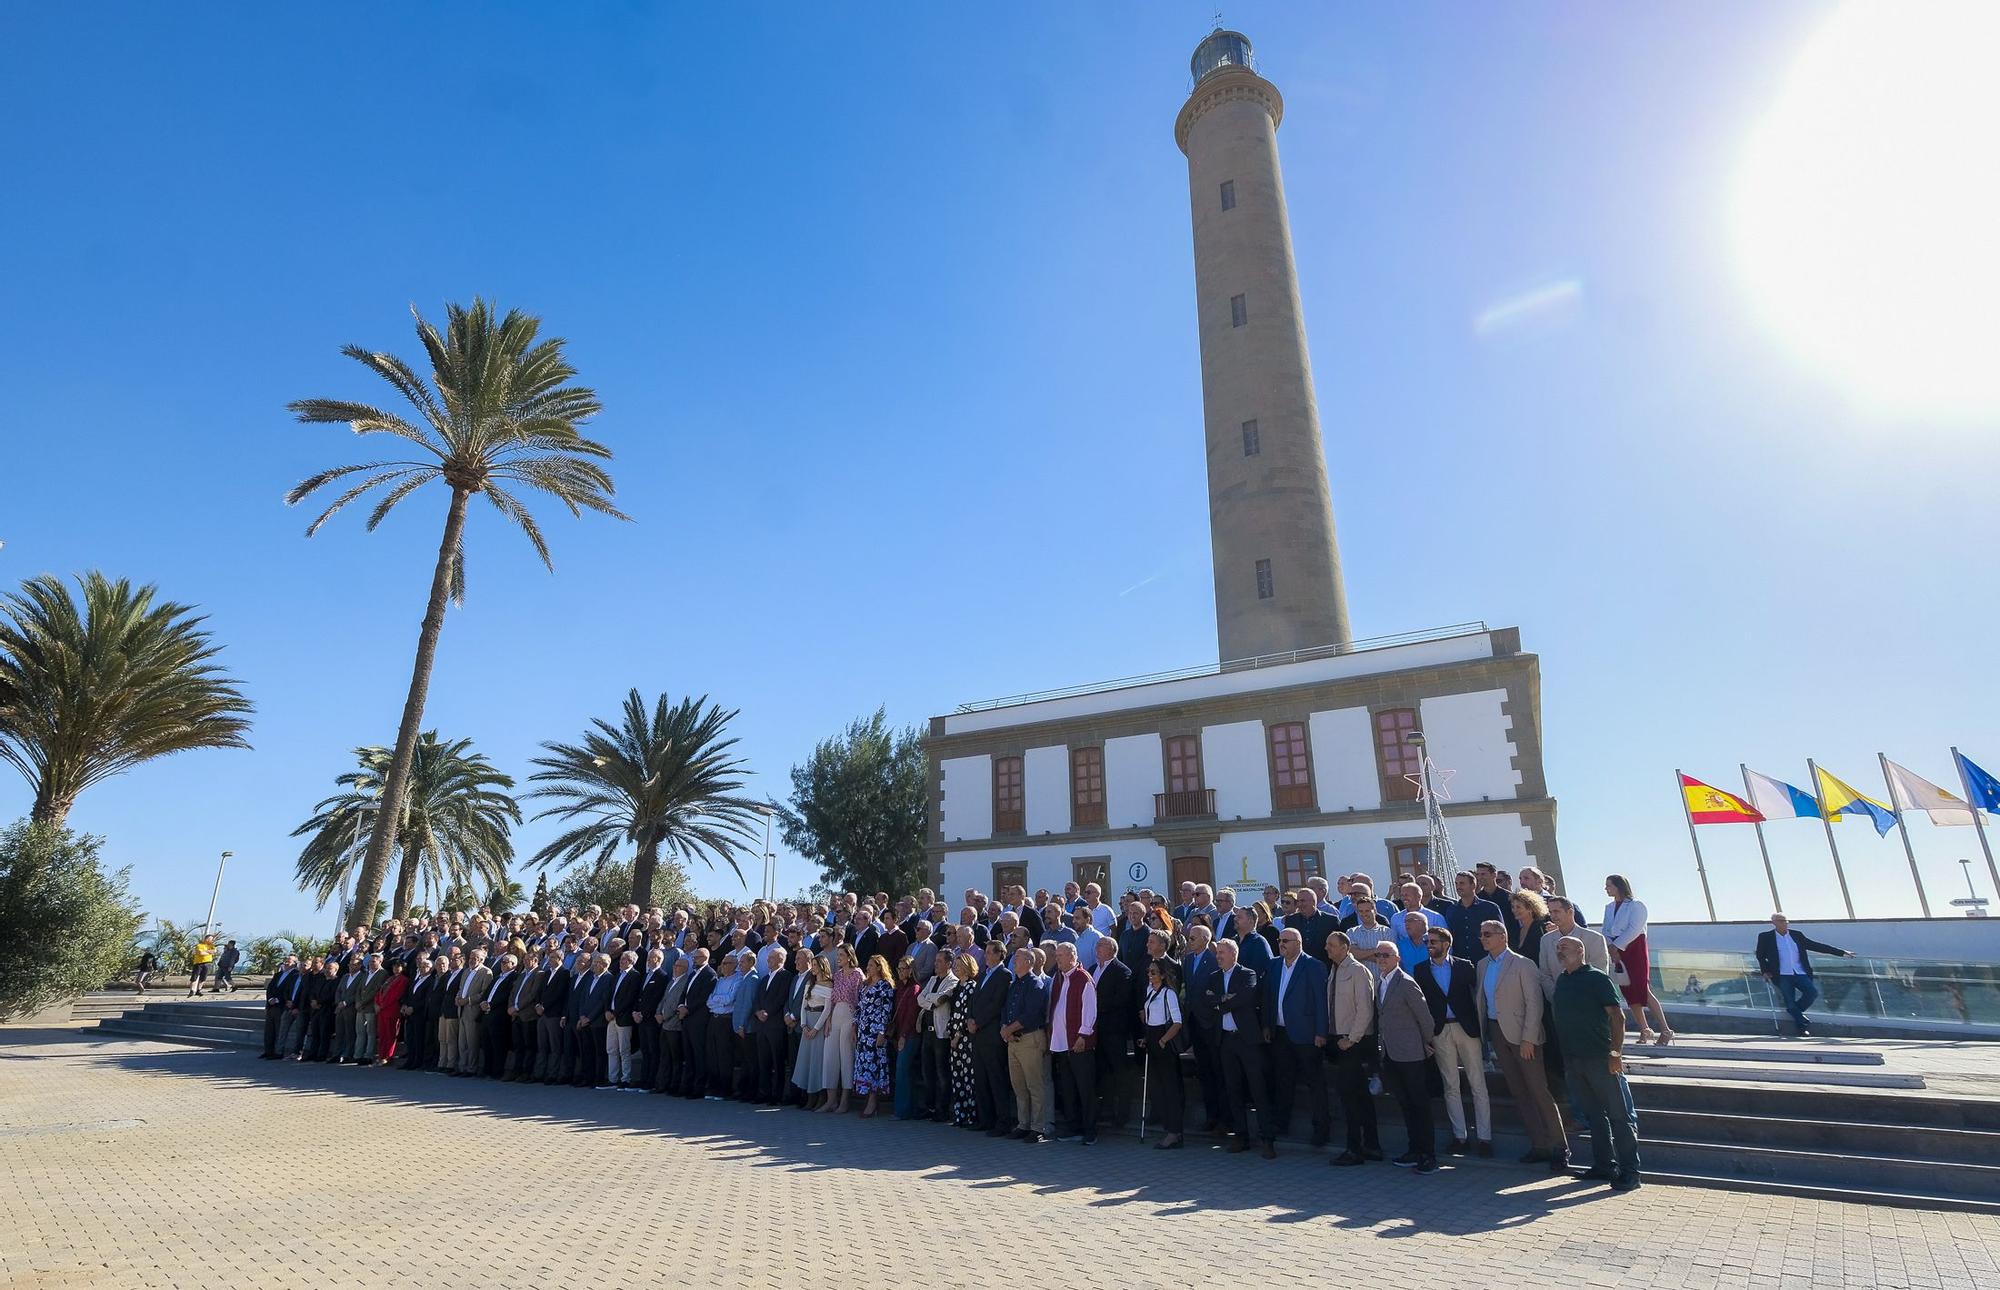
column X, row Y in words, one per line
column 1984, row 788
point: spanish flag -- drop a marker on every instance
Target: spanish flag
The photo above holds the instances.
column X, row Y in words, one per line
column 1707, row 804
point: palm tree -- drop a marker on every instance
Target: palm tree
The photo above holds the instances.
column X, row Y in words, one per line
column 89, row 691
column 457, row 816
column 498, row 412
column 505, row 896
column 664, row 784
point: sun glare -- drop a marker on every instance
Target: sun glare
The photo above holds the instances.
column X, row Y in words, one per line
column 1867, row 211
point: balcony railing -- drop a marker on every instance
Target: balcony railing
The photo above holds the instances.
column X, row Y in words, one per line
column 1185, row 804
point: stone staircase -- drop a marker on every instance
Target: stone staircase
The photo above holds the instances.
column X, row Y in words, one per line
column 226, row 1021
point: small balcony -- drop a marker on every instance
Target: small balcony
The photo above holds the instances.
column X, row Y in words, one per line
column 1185, row 804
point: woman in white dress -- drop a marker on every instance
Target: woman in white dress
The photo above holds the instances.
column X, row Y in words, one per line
column 808, row 1072
column 837, row 1061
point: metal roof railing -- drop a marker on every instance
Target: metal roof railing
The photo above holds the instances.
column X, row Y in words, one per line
column 1234, row 665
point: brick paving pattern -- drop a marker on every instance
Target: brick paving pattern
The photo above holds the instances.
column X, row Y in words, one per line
column 132, row 1163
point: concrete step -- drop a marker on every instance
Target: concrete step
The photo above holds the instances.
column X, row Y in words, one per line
column 1770, row 1073
column 1803, row 1053
column 184, row 1031
column 1943, row 1147
column 1809, row 1191
column 1827, row 1105
column 1825, row 1168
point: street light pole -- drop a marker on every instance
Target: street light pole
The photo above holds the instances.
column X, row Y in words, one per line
column 209, row 925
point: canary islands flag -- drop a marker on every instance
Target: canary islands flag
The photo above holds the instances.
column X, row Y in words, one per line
column 1779, row 800
column 1707, row 804
column 1836, row 798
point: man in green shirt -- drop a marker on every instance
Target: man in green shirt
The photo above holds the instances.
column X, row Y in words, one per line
column 1589, row 1021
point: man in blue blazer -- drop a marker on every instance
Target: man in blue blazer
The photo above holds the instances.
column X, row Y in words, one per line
column 1229, row 1006
column 1196, row 966
column 1295, row 1028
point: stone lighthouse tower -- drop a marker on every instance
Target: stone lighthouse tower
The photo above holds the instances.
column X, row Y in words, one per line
column 1277, row 569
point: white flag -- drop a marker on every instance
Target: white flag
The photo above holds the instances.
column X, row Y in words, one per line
column 1912, row 792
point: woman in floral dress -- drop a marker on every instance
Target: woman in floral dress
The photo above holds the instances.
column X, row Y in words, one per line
column 964, row 1102
column 871, row 1040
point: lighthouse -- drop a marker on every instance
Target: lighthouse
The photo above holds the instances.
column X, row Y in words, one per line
column 1278, row 585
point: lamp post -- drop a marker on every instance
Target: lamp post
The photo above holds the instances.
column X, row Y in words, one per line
column 209, row 925
column 767, row 889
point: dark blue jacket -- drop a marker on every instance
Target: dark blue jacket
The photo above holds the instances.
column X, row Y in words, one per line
column 1301, row 1015
column 1027, row 1003
column 1463, row 922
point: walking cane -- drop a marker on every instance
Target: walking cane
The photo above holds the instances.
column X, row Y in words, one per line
column 1145, row 1088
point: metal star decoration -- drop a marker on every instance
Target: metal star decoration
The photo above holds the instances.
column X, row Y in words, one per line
column 1440, row 779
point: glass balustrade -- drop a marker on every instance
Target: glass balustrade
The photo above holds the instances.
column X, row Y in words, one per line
column 1902, row 989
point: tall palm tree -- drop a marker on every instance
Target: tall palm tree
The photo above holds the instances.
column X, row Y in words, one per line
column 498, row 412
column 456, row 822
column 664, row 783
column 88, row 691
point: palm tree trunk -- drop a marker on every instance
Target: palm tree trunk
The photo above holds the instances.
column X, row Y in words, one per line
column 368, row 888
column 51, row 806
column 406, row 884
column 644, row 865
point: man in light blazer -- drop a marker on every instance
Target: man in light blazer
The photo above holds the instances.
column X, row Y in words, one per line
column 472, row 986
column 1350, row 1034
column 1407, row 1033
column 1509, row 998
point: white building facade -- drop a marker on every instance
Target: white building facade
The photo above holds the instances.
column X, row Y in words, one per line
column 1248, row 774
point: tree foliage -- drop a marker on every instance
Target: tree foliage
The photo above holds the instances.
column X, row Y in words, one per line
column 89, row 691
column 65, row 924
column 860, row 807
column 456, row 826
column 499, row 413
column 610, row 886
column 665, row 783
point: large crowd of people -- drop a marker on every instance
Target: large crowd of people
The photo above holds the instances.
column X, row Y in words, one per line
column 1042, row 1020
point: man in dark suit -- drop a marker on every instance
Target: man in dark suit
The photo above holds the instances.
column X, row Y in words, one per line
column 694, row 1017
column 1295, row 1017
column 991, row 1089
column 1229, row 1007
column 521, row 1000
column 499, row 1026
column 767, row 1027
column 1196, row 967
column 592, row 999
column 422, row 986
column 620, row 1019
column 1117, row 1020
column 279, row 1004
column 866, row 936
column 1784, row 956
column 1448, row 986
column 551, row 1011
column 651, row 991
column 1312, row 924
column 319, row 1003
column 576, row 1020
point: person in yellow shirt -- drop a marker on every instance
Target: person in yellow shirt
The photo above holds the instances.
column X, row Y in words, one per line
column 200, row 956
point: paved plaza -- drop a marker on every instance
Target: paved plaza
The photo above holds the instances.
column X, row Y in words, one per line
column 133, row 1163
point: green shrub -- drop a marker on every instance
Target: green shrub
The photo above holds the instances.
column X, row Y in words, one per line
column 65, row 925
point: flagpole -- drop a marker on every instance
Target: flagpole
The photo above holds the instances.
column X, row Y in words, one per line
column 1681, row 788
column 1972, row 803
column 1777, row 906
column 1826, row 822
column 1904, row 829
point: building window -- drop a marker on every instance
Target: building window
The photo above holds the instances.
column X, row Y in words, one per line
column 1183, row 764
column 1009, row 813
column 1291, row 768
column 1395, row 758
column 1006, row 877
column 1408, row 857
column 1251, row 444
column 1265, row 588
column 1299, row 864
column 1095, row 869
column 1086, row 788
column 1229, row 194
column 1239, row 311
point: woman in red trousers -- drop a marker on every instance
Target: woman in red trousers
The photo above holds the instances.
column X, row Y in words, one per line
column 389, row 1014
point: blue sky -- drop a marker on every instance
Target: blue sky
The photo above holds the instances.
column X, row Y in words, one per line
column 893, row 326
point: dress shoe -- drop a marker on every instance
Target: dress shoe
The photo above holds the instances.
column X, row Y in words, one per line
column 1236, row 1145
column 1373, row 1153
column 1559, row 1162
column 1172, row 1142
column 1034, row 1139
column 1484, row 1147
column 1270, row 1151
column 1428, row 1165
column 1626, row 1182
column 1348, row 1158
column 1599, row 1174
column 1409, row 1159
column 1457, row 1147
